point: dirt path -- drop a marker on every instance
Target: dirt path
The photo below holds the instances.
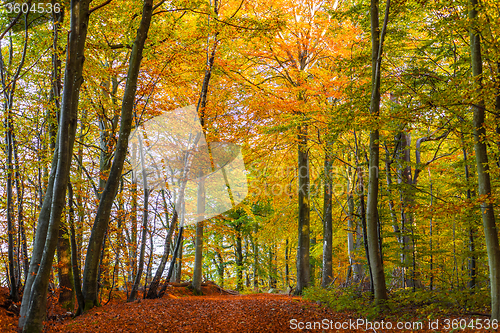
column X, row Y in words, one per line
column 249, row 313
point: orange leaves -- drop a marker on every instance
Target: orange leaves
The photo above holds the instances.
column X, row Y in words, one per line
column 214, row 313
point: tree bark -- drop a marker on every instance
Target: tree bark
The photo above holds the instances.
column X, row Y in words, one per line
column 77, row 284
column 34, row 300
column 287, row 264
column 152, row 292
column 198, row 257
column 172, row 262
column 65, row 273
column 303, row 267
column 327, row 274
column 144, row 228
column 9, row 92
column 484, row 182
column 239, row 258
column 376, row 264
column 178, row 265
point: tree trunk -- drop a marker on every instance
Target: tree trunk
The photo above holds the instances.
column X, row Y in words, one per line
column 35, row 297
column 287, row 265
column 178, row 261
column 10, row 212
column 152, row 292
column 77, row 284
column 239, row 259
column 484, row 183
column 255, row 250
column 105, row 204
column 303, row 267
column 20, row 218
column 403, row 141
column 472, row 228
column 362, row 211
column 145, row 214
column 376, row 264
column 133, row 218
column 178, row 265
column 351, row 230
column 8, row 89
column 198, row 257
column 327, row 274
column 172, row 262
column 65, row 273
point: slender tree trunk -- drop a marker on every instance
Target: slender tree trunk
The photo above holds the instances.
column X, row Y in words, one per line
column 20, row 217
column 362, row 210
column 178, row 265
column 178, row 260
column 484, row 183
column 239, row 259
column 287, row 265
column 377, row 268
column 405, row 179
column 327, row 274
column 172, row 262
column 303, row 266
column 197, row 274
column 272, row 269
column 198, row 257
column 431, row 252
column 33, row 311
column 312, row 262
column 255, row 250
column 145, row 214
column 133, row 218
column 65, row 273
column 105, row 204
column 14, row 295
column 388, row 173
column 152, row 292
column 8, row 91
column 354, row 235
column 77, row 284
column 394, row 218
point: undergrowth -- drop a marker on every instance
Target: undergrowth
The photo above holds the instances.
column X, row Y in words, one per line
column 403, row 303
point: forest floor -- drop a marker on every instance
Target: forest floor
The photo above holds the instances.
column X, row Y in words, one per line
column 180, row 311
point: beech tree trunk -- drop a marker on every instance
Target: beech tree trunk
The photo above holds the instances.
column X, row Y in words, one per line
column 145, row 214
column 35, row 294
column 178, row 264
column 377, row 268
column 8, row 78
column 65, row 273
column 20, row 217
column 198, row 256
column 152, row 292
column 74, row 252
column 303, row 267
column 110, row 189
column 327, row 275
column 484, row 183
column 239, row 257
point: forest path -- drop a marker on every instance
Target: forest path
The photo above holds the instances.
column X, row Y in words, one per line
column 179, row 312
column 220, row 313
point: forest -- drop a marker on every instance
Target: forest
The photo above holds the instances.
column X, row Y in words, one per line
column 338, row 152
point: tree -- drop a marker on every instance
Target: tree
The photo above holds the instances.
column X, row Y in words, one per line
column 35, row 293
column 482, row 167
column 108, row 194
column 376, row 265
